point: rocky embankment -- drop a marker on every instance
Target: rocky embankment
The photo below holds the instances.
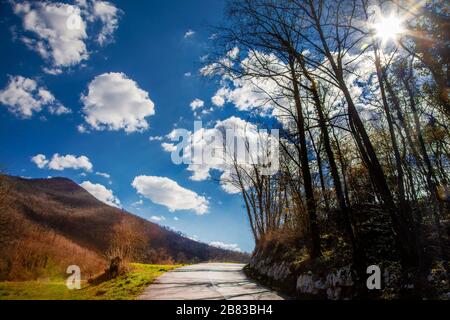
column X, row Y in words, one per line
column 307, row 280
column 288, row 277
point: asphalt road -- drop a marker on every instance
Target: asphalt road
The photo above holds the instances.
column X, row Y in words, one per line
column 207, row 281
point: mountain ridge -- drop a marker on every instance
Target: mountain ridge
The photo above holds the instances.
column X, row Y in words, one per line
column 43, row 221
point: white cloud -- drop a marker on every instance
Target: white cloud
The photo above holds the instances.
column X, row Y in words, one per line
column 155, row 138
column 198, row 143
column 226, row 246
column 207, row 111
column 233, row 53
column 52, row 70
column 103, row 174
column 101, row 193
column 210, row 70
column 219, row 98
column 137, row 203
column 196, row 104
column 58, row 110
column 115, row 102
column 54, row 38
column 58, row 32
column 189, row 34
column 108, row 14
column 23, row 97
column 188, row 74
column 81, row 128
column 60, row 163
column 169, row 193
column 250, row 93
column 168, row 147
column 157, row 218
column 175, row 133
column 40, row 160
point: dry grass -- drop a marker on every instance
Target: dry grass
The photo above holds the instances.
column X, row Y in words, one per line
column 125, row 287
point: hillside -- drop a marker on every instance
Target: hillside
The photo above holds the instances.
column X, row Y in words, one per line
column 48, row 224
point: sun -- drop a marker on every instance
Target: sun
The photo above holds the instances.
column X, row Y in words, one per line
column 389, row 28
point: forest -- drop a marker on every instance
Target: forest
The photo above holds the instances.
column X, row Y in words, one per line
column 360, row 93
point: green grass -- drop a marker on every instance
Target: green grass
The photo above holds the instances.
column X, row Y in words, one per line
column 126, row 287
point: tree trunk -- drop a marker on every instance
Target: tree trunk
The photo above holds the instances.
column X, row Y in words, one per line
column 314, row 247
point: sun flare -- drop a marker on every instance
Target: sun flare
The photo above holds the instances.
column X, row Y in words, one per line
column 389, row 28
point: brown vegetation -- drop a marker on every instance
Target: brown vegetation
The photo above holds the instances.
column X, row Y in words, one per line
column 48, row 224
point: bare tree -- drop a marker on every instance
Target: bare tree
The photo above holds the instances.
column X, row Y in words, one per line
column 126, row 244
column 364, row 123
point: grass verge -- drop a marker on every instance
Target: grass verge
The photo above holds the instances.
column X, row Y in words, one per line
column 125, row 287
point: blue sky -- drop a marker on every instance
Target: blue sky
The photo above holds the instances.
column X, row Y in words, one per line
column 148, row 46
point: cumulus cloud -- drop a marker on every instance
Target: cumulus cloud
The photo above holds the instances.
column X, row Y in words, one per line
column 101, row 193
column 108, row 14
column 219, row 98
column 249, row 93
column 51, row 37
column 59, row 163
column 196, row 104
column 200, row 143
column 58, row 32
column 115, row 102
column 23, row 97
column 169, row 193
column 189, row 34
column 40, row 160
column 226, row 246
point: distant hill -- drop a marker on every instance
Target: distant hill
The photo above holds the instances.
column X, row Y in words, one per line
column 49, row 224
